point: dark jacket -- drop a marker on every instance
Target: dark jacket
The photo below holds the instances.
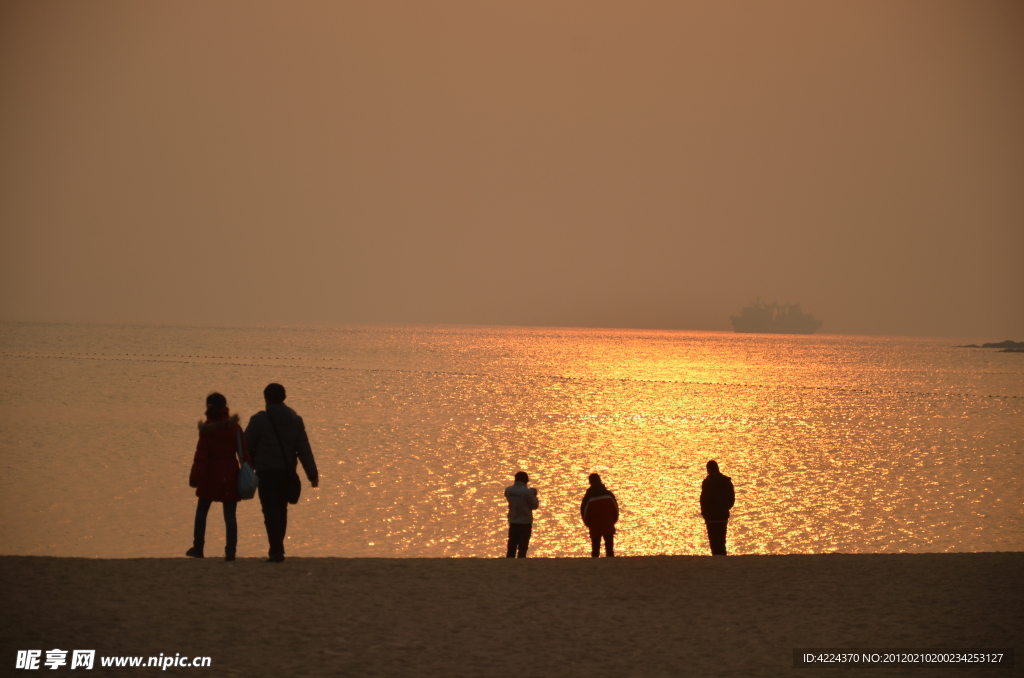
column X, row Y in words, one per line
column 267, row 454
column 215, row 466
column 716, row 497
column 599, row 510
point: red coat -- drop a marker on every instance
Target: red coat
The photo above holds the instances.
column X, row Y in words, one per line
column 215, row 467
column 600, row 511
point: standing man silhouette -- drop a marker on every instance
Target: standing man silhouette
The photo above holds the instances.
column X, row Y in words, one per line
column 717, row 496
column 522, row 500
column 276, row 437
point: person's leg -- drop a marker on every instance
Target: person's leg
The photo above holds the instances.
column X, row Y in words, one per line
column 716, row 537
column 199, row 530
column 266, row 495
column 595, row 546
column 609, row 545
column 271, row 491
column 280, row 517
column 712, row 537
column 524, row 540
column 231, row 527
column 513, row 541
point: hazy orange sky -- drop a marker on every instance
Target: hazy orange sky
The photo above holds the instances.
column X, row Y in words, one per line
column 629, row 164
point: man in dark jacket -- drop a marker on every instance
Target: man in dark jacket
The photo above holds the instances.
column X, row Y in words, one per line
column 275, row 438
column 716, row 498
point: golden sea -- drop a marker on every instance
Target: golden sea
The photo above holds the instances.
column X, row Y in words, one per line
column 834, row 443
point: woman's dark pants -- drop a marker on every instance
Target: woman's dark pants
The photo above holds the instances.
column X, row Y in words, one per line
column 518, row 540
column 274, row 502
column 231, row 525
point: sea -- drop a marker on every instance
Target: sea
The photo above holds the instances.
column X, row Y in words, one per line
column 835, row 444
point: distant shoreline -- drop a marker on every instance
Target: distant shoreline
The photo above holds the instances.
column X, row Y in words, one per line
column 1008, row 346
column 648, row 615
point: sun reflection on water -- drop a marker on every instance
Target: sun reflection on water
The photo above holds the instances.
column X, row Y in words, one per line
column 820, row 463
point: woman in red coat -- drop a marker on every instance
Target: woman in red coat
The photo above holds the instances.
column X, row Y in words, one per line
column 215, row 472
column 600, row 512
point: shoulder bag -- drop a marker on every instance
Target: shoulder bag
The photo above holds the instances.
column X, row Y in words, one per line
column 293, row 488
column 247, row 480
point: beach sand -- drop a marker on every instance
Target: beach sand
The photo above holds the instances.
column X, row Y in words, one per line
column 647, row 616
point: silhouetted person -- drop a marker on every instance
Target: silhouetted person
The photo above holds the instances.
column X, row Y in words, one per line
column 277, row 436
column 215, row 472
column 716, row 498
column 600, row 512
column 521, row 502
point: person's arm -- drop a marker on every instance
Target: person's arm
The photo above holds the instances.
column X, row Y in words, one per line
column 251, row 436
column 306, row 455
column 531, row 498
column 245, row 448
column 198, row 471
column 583, row 508
column 730, row 496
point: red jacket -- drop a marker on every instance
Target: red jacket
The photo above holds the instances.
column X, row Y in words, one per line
column 600, row 511
column 215, row 467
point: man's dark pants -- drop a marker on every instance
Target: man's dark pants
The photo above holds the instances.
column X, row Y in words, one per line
column 716, row 535
column 274, row 502
column 518, row 539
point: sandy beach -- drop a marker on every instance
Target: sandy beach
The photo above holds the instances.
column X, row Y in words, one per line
column 648, row 616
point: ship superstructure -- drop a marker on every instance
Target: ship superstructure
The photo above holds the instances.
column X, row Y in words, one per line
column 764, row 318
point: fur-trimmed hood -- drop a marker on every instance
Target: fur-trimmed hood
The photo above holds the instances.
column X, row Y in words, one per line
column 211, row 426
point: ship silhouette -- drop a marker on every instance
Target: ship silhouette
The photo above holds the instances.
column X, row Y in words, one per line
column 774, row 318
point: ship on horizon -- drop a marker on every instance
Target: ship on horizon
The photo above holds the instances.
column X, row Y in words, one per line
column 774, row 318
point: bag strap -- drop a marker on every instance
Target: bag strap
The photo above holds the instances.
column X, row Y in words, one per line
column 238, row 445
column 284, row 455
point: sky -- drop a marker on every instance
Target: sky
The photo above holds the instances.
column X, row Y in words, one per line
column 628, row 164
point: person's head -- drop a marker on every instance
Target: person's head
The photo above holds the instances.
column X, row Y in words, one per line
column 712, row 466
column 215, row 402
column 594, row 479
column 522, row 477
column 274, row 393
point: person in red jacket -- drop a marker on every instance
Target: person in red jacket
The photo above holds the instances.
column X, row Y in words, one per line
column 215, row 472
column 600, row 512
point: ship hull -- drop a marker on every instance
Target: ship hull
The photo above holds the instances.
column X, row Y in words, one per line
column 744, row 326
